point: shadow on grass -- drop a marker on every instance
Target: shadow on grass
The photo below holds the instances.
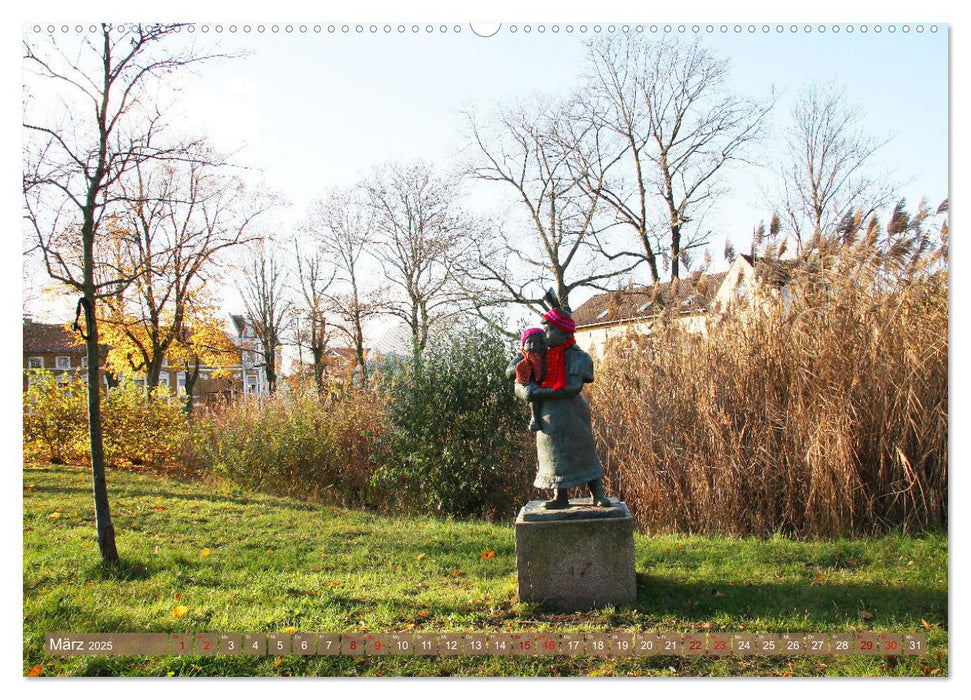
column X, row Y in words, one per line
column 182, row 496
column 125, row 570
column 819, row 604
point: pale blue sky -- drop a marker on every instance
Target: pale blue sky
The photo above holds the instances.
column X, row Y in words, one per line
column 318, row 110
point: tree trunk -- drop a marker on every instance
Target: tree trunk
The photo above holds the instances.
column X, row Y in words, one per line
column 153, row 370
column 318, row 353
column 102, row 513
column 190, row 383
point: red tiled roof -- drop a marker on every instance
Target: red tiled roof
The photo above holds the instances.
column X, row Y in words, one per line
column 51, row 337
column 691, row 294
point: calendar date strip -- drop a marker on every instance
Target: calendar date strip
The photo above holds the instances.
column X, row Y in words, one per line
column 710, row 644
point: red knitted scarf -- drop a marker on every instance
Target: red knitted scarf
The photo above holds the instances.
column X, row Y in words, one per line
column 556, row 366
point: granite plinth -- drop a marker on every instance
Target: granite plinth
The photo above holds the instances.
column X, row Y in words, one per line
column 576, row 558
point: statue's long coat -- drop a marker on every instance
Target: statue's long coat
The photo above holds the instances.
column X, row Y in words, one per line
column 565, row 446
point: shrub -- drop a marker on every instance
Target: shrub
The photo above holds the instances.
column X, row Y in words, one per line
column 823, row 414
column 295, row 443
column 55, row 418
column 142, row 429
column 457, row 441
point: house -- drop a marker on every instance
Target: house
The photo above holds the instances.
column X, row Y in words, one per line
column 693, row 302
column 750, row 282
column 56, row 348
column 252, row 371
column 611, row 315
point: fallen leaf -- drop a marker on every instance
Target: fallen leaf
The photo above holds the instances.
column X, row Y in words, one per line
column 487, row 554
column 85, row 544
column 270, row 551
column 423, row 613
column 179, row 611
column 420, row 556
column 178, row 596
column 86, row 623
column 455, row 573
column 204, row 552
column 910, row 563
column 277, row 661
column 926, row 624
column 289, row 630
column 35, row 671
column 816, row 581
column 55, row 514
column 679, row 546
column 335, row 584
column 866, row 615
column 160, row 508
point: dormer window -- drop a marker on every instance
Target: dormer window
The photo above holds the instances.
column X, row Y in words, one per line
column 645, row 306
column 603, row 314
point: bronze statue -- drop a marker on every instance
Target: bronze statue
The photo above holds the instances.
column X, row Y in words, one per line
column 564, row 442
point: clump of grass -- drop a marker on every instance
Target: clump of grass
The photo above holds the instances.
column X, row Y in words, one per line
column 819, row 410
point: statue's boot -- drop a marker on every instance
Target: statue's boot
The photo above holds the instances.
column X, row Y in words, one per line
column 597, row 495
column 561, row 499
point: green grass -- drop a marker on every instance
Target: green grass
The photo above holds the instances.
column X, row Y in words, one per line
column 275, row 563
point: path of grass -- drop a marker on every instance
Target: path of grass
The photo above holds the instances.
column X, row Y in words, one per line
column 243, row 562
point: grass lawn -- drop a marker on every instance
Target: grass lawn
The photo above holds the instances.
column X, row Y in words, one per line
column 206, row 558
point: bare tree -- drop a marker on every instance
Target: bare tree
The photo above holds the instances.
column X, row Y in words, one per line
column 340, row 223
column 99, row 124
column 418, row 239
column 675, row 128
column 314, row 280
column 524, row 150
column 268, row 310
column 828, row 173
column 179, row 216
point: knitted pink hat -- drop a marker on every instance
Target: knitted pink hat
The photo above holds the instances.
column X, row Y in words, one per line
column 528, row 332
column 560, row 320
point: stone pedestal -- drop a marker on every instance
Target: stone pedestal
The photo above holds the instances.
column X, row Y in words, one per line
column 577, row 558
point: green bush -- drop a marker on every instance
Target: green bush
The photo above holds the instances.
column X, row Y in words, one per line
column 295, row 443
column 457, row 441
column 55, row 418
column 142, row 429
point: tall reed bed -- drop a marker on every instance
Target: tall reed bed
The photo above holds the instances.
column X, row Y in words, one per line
column 819, row 410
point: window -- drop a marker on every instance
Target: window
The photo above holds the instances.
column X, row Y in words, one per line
column 645, row 306
column 35, row 363
column 603, row 313
column 84, row 362
column 63, row 362
column 163, row 379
